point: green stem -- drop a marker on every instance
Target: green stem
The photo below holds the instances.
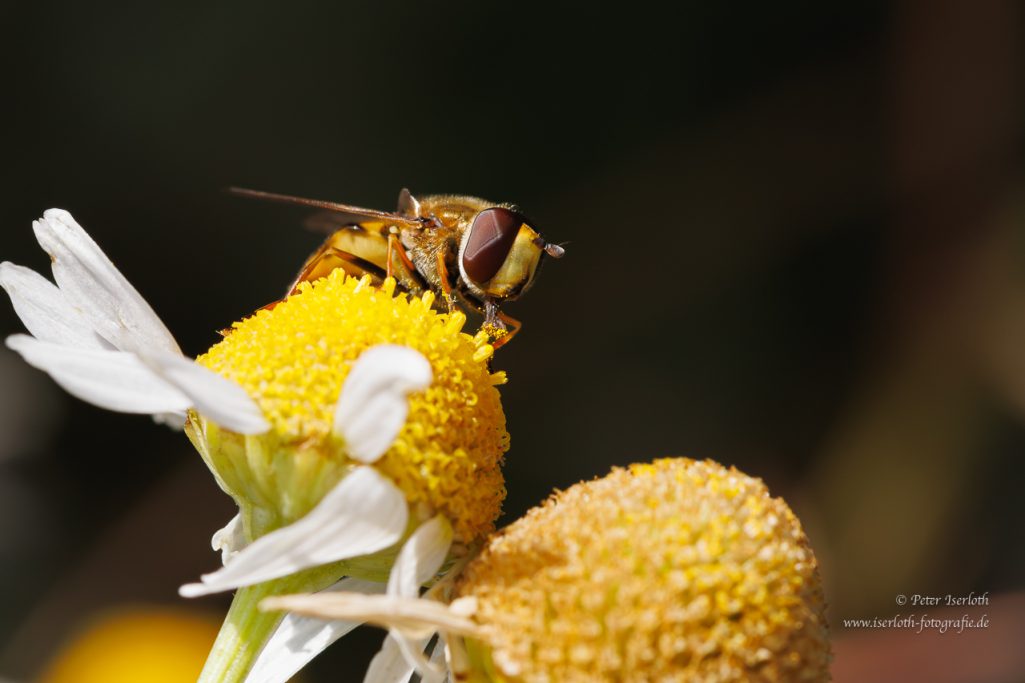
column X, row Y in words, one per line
column 246, row 629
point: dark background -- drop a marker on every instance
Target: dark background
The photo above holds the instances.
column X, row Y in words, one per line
column 795, row 245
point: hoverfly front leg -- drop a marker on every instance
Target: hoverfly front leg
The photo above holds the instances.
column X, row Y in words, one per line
column 395, row 247
column 495, row 324
column 514, row 326
column 446, row 284
column 491, row 319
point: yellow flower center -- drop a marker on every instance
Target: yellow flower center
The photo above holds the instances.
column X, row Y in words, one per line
column 293, row 360
column 673, row 571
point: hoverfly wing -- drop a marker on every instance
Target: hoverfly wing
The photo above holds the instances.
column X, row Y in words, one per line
column 332, row 215
column 327, row 222
column 408, row 204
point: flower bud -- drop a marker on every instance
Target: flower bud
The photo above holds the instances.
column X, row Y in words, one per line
column 672, row 571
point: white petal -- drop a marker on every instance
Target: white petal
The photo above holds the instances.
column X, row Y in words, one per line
column 230, row 540
column 438, row 658
column 415, row 617
column 217, row 398
column 413, row 650
column 390, row 665
column 364, row 513
column 298, row 640
column 421, row 557
column 115, row 380
column 45, row 311
column 175, row 420
column 372, row 407
column 94, row 286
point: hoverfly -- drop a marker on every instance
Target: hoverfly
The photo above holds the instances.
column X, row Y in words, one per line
column 464, row 249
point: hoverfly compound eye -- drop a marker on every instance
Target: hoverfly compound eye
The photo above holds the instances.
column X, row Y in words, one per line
column 490, row 240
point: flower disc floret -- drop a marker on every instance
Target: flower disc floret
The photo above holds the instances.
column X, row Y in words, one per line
column 671, row 571
column 294, row 359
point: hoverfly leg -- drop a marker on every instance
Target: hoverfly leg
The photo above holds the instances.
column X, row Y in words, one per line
column 315, row 263
column 495, row 323
column 328, row 259
column 395, row 247
column 446, row 284
column 514, row 326
column 269, row 307
column 387, row 261
column 491, row 317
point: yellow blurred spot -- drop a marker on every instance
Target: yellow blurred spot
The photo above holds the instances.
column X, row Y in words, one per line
column 136, row 645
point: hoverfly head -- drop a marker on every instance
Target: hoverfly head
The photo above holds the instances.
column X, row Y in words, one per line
column 500, row 252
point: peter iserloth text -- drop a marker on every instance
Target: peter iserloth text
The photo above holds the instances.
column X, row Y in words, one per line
column 949, row 600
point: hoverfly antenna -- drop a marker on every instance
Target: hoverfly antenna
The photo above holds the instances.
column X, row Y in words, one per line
column 554, row 250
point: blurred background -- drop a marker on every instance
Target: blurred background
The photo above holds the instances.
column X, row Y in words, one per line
column 796, row 244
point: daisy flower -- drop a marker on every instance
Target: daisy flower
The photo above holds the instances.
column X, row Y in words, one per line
column 98, row 338
column 672, row 571
column 343, row 421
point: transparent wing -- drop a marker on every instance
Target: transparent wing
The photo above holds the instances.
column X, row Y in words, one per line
column 332, row 215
